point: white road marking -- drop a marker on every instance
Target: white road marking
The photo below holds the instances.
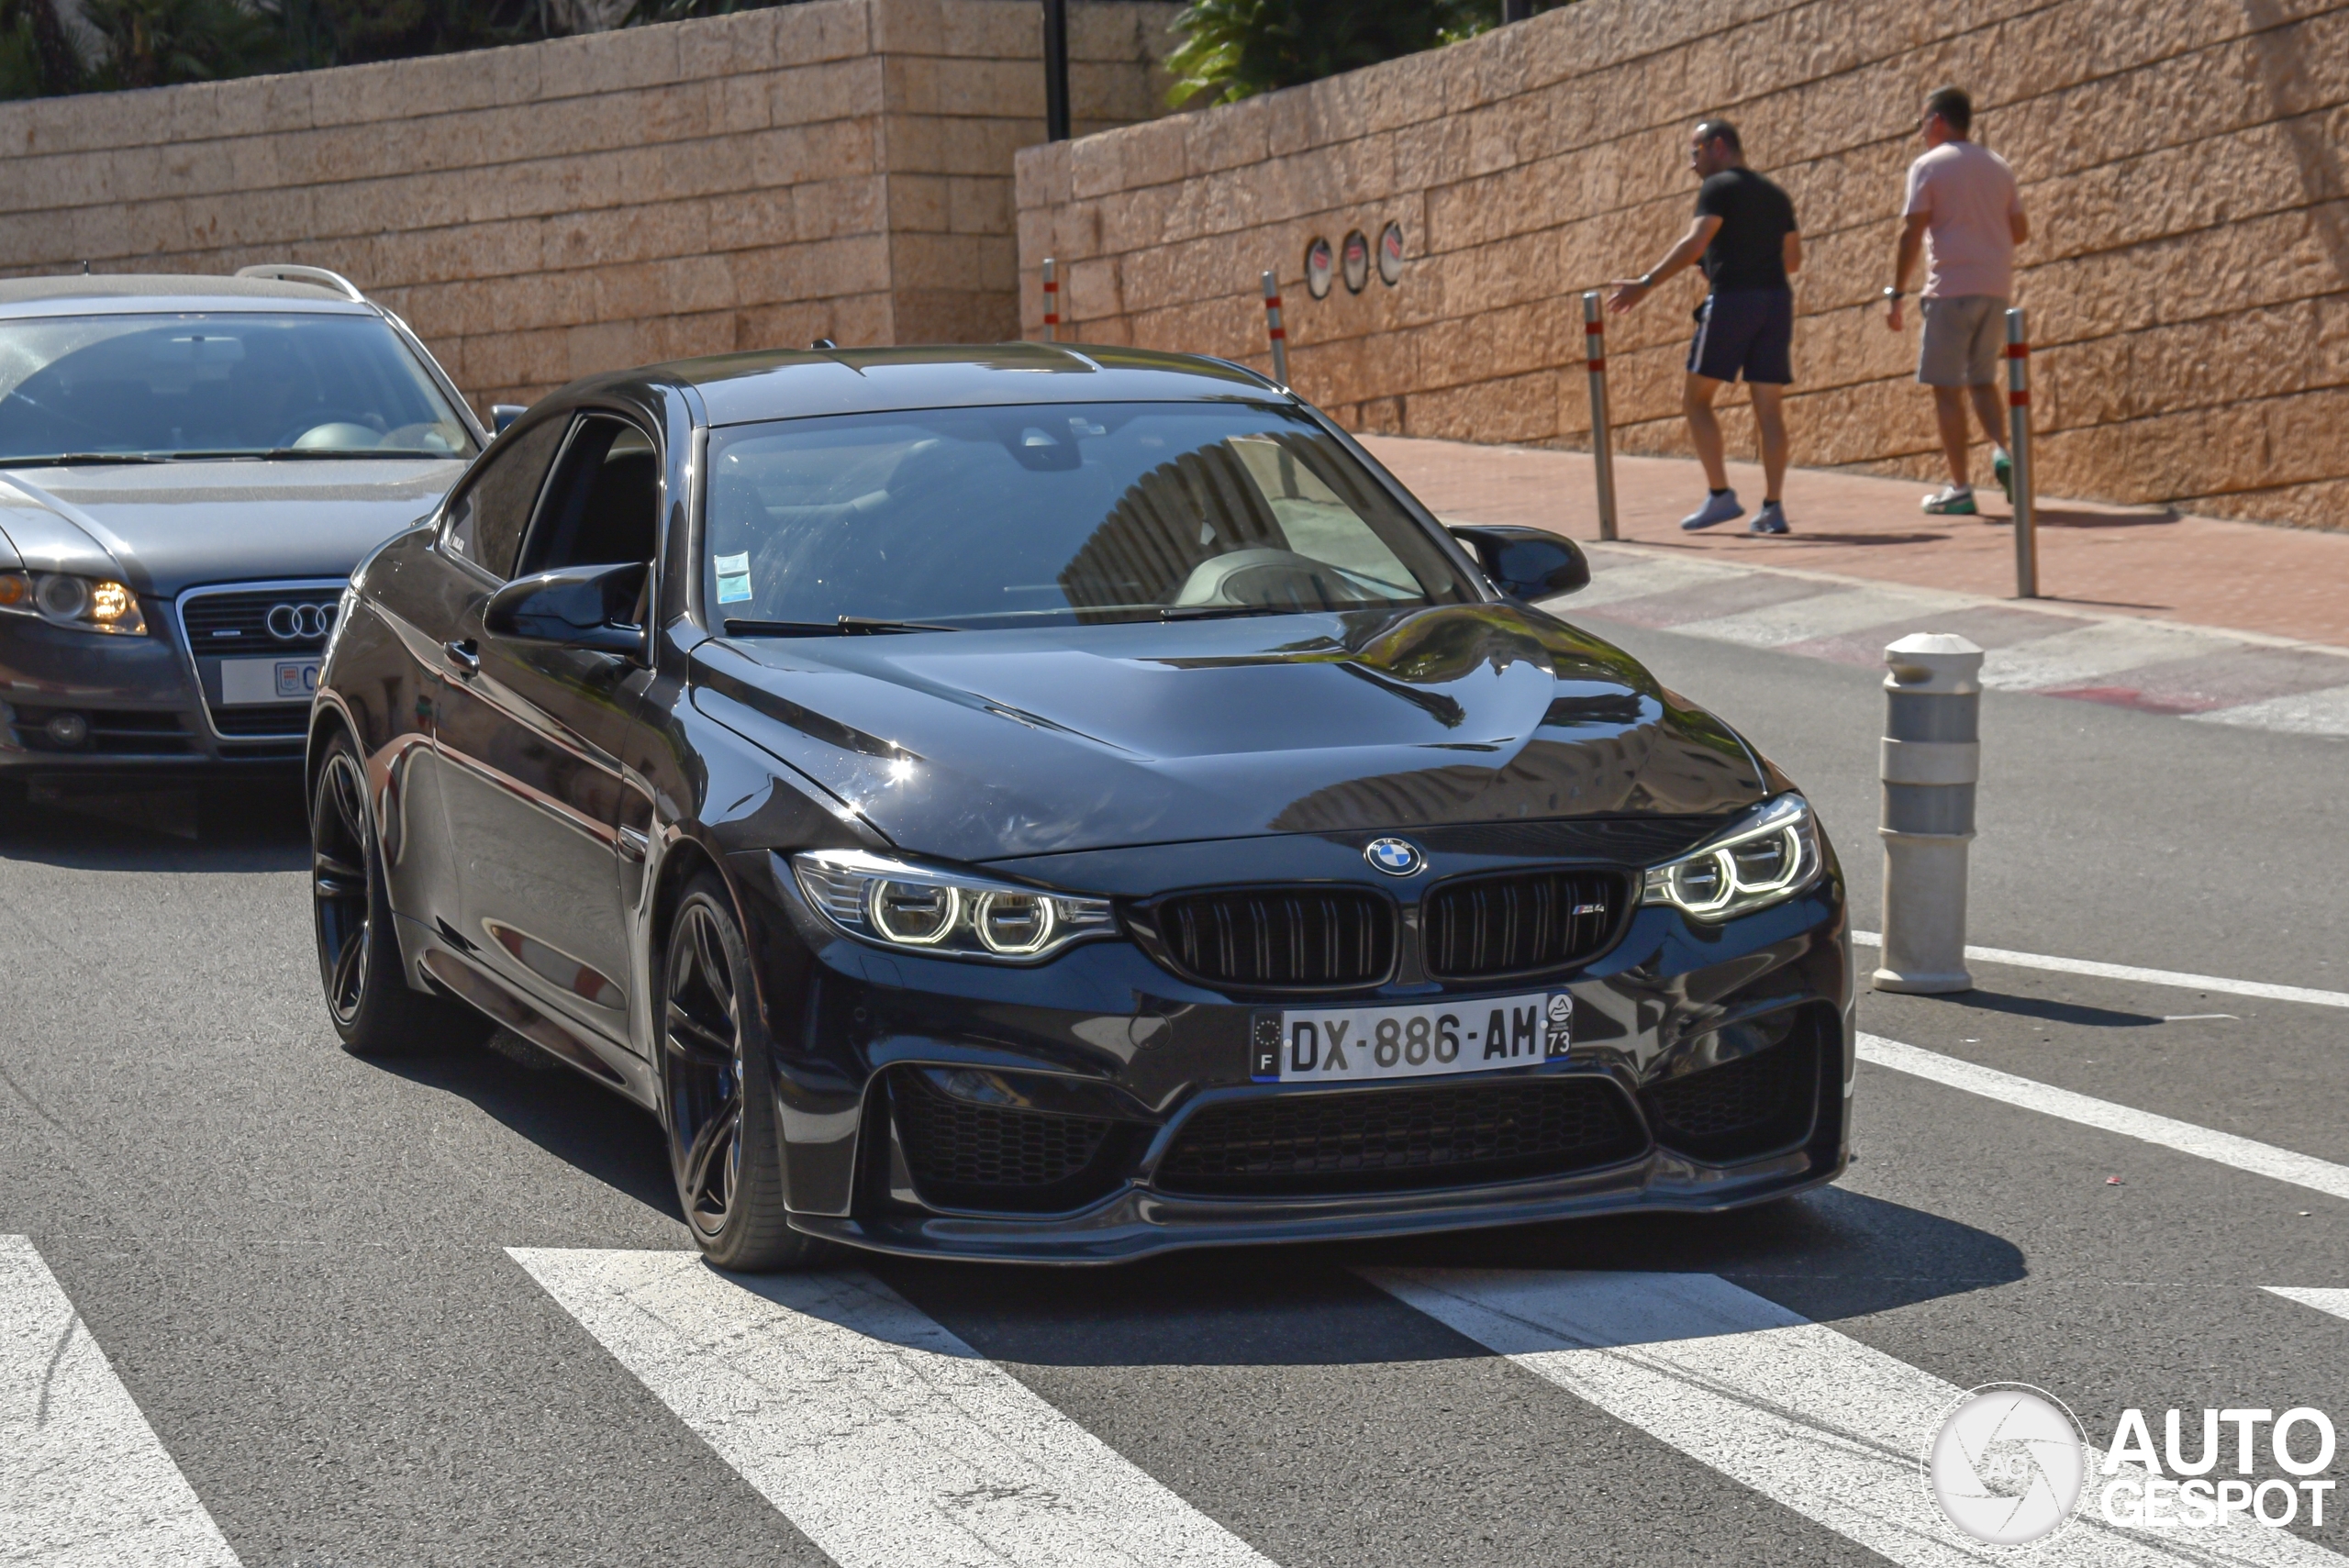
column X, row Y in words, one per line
column 1636, row 577
column 1828, row 614
column 1811, row 1418
column 884, row 1437
column 2106, row 648
column 2309, row 713
column 2243, row 1154
column 2184, row 981
column 83, row 1479
column 2334, row 1301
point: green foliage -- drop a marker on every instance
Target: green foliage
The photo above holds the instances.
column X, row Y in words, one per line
column 35, row 58
column 313, row 33
column 1234, row 48
column 648, row 11
column 152, row 43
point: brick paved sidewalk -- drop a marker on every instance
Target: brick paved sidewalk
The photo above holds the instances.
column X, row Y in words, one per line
column 2275, row 583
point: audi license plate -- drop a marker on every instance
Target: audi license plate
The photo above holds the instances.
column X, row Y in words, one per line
column 1352, row 1045
column 268, row 680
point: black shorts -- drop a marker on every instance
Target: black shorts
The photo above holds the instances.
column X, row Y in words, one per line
column 1748, row 332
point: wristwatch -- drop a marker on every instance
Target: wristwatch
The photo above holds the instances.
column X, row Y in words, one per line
column 1894, row 294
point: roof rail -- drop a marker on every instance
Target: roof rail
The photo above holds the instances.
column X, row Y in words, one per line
column 291, row 274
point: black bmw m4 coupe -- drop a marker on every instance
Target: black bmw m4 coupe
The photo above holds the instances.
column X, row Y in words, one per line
column 1057, row 804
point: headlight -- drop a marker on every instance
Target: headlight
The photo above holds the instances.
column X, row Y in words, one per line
column 1767, row 858
column 89, row 604
column 900, row 904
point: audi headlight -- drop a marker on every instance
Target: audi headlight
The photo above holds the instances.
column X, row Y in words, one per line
column 1765, row 858
column 900, row 904
column 87, row 604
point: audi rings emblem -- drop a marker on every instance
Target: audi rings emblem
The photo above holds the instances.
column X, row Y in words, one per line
column 300, row 623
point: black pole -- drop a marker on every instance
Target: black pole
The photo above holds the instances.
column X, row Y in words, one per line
column 1516, row 10
column 1056, row 70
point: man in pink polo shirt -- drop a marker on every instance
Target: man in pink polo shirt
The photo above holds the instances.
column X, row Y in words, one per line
column 1963, row 211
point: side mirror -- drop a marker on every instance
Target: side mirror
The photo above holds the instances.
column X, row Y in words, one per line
column 573, row 606
column 1526, row 563
column 504, row 414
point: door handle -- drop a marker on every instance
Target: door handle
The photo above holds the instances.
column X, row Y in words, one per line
column 465, row 655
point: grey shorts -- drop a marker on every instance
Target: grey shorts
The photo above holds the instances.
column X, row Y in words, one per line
column 1966, row 336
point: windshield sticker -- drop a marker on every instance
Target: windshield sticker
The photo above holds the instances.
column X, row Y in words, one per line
column 734, row 565
column 733, row 590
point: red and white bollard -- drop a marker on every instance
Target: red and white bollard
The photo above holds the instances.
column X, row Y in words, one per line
column 1602, row 451
column 1051, row 301
column 2018, row 453
column 1274, row 330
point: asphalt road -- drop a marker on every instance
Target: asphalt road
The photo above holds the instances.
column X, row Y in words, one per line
column 297, row 1264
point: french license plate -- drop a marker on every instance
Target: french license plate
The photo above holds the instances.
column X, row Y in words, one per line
column 268, row 680
column 1352, row 1045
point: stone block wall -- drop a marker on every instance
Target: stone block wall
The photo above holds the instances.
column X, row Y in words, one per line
column 2182, row 163
column 837, row 169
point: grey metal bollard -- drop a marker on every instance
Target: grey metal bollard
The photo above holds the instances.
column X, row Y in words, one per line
column 1051, row 301
column 1931, row 760
column 1274, row 331
column 1602, row 449
column 2026, row 474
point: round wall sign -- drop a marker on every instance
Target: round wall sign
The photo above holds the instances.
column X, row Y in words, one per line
column 1390, row 254
column 1357, row 261
column 1317, row 269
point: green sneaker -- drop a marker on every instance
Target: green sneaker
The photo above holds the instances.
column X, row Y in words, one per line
column 2002, row 469
column 1952, row 502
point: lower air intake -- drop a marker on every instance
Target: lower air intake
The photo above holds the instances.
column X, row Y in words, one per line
column 1003, row 1157
column 1742, row 1108
column 1380, row 1140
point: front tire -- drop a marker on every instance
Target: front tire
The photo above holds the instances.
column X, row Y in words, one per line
column 374, row 1010
column 725, row 1149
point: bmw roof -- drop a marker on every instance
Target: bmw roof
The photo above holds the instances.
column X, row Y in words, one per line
column 789, row 384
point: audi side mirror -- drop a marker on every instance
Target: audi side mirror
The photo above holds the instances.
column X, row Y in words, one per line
column 1526, row 563
column 504, row 414
column 572, row 607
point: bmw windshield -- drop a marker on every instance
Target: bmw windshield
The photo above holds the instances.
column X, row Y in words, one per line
column 136, row 388
column 960, row 518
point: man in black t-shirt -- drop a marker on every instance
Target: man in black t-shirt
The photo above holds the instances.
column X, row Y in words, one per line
column 1745, row 231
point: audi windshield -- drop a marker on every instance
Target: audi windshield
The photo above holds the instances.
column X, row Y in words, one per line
column 961, row 519
column 186, row 388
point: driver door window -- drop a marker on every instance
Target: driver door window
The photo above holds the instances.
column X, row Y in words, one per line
column 484, row 522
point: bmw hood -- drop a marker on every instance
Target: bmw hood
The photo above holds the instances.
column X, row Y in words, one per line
column 985, row 745
column 166, row 526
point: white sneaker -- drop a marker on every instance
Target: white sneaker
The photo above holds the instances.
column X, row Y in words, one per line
column 1950, row 501
column 1717, row 509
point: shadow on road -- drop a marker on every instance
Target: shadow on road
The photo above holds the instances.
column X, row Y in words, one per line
column 583, row 1125
column 2040, row 1007
column 1829, row 1255
column 255, row 824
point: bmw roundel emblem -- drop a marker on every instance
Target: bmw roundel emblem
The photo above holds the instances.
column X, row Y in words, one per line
column 1395, row 857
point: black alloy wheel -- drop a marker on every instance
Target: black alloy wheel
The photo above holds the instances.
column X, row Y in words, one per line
column 723, row 1146
column 373, row 1008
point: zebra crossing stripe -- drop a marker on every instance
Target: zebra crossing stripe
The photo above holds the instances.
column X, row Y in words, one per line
column 83, row 1479
column 2334, row 1301
column 2225, row 1148
column 883, row 1438
column 1811, row 1418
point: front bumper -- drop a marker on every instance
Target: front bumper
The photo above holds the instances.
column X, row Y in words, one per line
column 1103, row 1032
column 137, row 702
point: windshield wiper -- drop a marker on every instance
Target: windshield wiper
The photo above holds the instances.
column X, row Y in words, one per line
column 293, row 454
column 846, row 625
column 1219, row 612
column 76, row 460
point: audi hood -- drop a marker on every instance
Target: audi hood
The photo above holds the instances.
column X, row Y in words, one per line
column 981, row 745
column 162, row 527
